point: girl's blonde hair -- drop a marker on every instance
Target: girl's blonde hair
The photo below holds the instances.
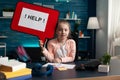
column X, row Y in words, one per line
column 67, row 23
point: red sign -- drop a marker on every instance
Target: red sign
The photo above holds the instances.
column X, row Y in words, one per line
column 36, row 20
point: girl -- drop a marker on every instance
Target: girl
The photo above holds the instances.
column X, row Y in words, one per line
column 62, row 48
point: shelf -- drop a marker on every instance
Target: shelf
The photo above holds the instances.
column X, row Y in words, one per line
column 69, row 19
column 5, row 17
column 1, row 37
column 60, row 18
column 84, row 37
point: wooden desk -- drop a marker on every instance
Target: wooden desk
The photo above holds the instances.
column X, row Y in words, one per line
column 69, row 74
column 117, row 77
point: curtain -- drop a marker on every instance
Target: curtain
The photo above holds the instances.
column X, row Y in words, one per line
column 114, row 26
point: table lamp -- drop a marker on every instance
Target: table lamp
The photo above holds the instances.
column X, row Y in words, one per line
column 93, row 25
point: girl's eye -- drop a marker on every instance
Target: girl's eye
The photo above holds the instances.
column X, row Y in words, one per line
column 65, row 29
column 60, row 29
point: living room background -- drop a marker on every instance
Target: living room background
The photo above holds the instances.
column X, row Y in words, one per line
column 83, row 8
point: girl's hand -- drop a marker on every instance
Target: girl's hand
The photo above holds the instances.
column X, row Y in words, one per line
column 57, row 60
column 41, row 43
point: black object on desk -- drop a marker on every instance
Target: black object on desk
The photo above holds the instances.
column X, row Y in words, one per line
column 89, row 65
column 67, row 74
column 37, row 70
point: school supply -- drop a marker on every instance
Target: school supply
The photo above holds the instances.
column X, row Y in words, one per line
column 18, row 73
column 11, row 65
column 37, row 70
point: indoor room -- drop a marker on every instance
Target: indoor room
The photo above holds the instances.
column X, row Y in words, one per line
column 59, row 39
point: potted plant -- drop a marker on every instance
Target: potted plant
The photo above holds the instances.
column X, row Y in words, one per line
column 105, row 60
column 8, row 12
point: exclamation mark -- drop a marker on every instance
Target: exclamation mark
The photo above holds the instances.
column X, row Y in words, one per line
column 43, row 20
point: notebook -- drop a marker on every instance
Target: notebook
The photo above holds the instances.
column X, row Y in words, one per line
column 22, row 72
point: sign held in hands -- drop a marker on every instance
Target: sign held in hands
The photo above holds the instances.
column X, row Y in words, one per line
column 35, row 20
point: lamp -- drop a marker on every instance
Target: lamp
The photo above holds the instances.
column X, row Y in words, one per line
column 93, row 25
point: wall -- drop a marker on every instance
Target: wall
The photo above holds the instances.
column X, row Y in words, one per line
column 102, row 34
column 80, row 7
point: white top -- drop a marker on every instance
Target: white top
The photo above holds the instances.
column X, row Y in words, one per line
column 61, row 52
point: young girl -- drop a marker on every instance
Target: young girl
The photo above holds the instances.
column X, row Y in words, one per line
column 62, row 48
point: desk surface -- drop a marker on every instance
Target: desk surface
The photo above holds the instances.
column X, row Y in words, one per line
column 117, row 77
column 70, row 73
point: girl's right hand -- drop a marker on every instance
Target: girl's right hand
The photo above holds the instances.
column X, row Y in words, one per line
column 41, row 45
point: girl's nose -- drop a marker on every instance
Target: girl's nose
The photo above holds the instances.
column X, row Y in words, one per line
column 63, row 31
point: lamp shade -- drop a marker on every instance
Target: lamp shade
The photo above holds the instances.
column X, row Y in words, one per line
column 93, row 23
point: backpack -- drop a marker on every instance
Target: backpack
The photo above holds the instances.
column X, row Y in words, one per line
column 23, row 56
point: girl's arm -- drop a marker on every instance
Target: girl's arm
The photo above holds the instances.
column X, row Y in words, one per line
column 48, row 53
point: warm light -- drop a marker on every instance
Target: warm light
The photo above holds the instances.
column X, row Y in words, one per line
column 93, row 23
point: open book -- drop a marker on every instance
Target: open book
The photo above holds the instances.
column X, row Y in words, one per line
column 60, row 65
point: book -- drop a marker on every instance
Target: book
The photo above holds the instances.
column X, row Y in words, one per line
column 60, row 66
column 3, row 59
column 12, row 65
column 18, row 73
column 26, row 77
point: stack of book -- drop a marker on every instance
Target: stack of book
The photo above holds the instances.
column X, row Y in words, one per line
column 14, row 70
column 19, row 74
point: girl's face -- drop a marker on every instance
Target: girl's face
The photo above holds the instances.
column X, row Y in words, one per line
column 63, row 30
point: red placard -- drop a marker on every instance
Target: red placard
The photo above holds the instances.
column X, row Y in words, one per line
column 36, row 20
